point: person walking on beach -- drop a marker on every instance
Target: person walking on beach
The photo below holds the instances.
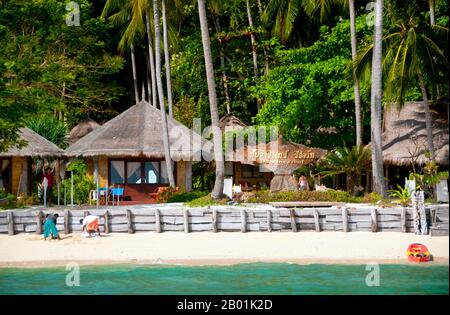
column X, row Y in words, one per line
column 303, row 182
column 50, row 180
column 90, row 226
column 50, row 226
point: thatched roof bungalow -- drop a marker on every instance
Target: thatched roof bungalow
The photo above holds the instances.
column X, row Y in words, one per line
column 15, row 164
column 128, row 151
column 404, row 136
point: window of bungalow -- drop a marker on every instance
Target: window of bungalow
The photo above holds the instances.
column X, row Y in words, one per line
column 117, row 172
column 134, row 173
column 151, row 172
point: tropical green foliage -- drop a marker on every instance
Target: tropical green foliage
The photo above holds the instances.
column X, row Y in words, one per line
column 401, row 194
column 350, row 161
column 82, row 183
column 311, row 91
column 51, row 128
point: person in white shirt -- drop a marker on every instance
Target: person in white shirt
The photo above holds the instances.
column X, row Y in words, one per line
column 90, row 226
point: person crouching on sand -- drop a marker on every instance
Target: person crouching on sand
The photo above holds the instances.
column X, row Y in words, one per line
column 90, row 226
column 50, row 226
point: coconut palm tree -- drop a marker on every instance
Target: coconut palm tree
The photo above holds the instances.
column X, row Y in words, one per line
column 167, row 58
column 285, row 12
column 376, row 94
column 350, row 161
column 254, row 47
column 159, row 85
column 411, row 54
column 129, row 19
column 217, row 135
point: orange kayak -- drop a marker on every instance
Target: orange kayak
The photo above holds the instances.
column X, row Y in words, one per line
column 418, row 253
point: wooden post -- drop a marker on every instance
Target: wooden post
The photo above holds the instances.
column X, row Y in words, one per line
column 66, row 222
column 214, row 221
column 10, row 219
column 39, row 217
column 373, row 215
column 269, row 221
column 186, row 221
column 433, row 216
column 157, row 221
column 344, row 219
column 293, row 223
column 316, row 220
column 106, row 218
column 129, row 222
column 403, row 220
column 243, row 221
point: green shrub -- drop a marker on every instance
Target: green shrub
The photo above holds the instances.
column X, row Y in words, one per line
column 82, row 183
column 206, row 201
column 183, row 196
column 328, row 195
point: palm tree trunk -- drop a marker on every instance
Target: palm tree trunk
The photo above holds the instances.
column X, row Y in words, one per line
column 224, row 73
column 432, row 18
column 375, row 103
column 225, row 83
column 161, row 94
column 151, row 61
column 133, row 66
column 428, row 118
column 358, row 118
column 217, row 191
column 266, row 53
column 167, row 59
column 254, row 51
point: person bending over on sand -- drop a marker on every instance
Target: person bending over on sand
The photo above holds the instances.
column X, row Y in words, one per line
column 90, row 226
column 50, row 226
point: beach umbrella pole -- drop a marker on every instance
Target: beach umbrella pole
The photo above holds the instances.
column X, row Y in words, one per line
column 58, row 193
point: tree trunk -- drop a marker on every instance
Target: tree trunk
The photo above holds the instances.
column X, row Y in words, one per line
column 351, row 182
column 375, row 103
column 161, row 94
column 428, row 118
column 133, row 66
column 167, row 59
column 266, row 52
column 151, row 62
column 358, row 118
column 432, row 18
column 224, row 73
column 254, row 51
column 217, row 134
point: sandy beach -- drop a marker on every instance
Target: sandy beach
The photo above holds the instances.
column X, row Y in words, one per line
column 30, row 250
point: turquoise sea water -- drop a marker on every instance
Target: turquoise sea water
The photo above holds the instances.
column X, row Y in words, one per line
column 259, row 278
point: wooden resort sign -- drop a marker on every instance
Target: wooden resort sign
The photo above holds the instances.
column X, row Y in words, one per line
column 281, row 156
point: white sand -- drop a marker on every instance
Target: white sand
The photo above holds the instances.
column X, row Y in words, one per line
column 30, row 250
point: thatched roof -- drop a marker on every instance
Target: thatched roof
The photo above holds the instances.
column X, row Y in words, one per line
column 82, row 129
column 231, row 121
column 404, row 135
column 37, row 146
column 137, row 132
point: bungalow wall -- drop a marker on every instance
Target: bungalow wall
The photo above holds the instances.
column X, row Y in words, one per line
column 20, row 175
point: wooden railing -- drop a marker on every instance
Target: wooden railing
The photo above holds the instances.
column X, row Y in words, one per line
column 167, row 217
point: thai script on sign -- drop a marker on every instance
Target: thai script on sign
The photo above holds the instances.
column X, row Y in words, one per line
column 276, row 155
